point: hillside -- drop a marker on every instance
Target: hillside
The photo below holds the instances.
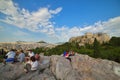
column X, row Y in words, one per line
column 24, row 45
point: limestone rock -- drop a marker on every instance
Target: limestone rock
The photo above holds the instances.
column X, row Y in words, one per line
column 96, row 69
column 60, row 66
column 89, row 38
column 11, row 72
column 81, row 67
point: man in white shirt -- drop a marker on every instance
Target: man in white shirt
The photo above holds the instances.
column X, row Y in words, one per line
column 10, row 56
column 30, row 54
column 32, row 66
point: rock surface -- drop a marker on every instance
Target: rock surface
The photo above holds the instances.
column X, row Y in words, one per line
column 89, row 38
column 81, row 67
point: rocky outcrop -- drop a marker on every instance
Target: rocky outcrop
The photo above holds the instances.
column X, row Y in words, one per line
column 81, row 67
column 84, row 67
column 16, row 72
column 89, row 38
column 63, row 70
column 95, row 69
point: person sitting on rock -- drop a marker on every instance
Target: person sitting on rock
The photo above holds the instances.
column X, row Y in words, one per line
column 21, row 56
column 37, row 57
column 32, row 65
column 72, row 53
column 66, row 55
column 10, row 56
column 30, row 53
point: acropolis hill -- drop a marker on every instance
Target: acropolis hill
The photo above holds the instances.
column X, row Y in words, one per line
column 90, row 37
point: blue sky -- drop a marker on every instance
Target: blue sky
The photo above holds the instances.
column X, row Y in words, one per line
column 57, row 20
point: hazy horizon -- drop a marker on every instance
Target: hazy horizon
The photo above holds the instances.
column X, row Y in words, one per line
column 58, row 20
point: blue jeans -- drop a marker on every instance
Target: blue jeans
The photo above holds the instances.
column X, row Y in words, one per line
column 9, row 60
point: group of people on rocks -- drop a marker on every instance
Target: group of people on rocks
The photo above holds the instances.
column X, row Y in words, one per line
column 67, row 54
column 31, row 61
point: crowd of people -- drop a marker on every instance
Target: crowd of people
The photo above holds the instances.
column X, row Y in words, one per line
column 67, row 54
column 31, row 60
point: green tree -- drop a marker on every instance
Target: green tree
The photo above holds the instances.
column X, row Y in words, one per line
column 96, row 48
column 115, row 41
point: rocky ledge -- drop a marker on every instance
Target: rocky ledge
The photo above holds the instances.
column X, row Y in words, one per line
column 81, row 67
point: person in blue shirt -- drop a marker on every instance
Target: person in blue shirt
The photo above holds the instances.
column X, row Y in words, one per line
column 21, row 56
column 64, row 53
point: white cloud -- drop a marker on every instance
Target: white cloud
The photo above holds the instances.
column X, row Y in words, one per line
column 37, row 21
column 111, row 27
column 7, row 7
column 74, row 30
column 20, row 33
column 63, row 28
column 56, row 11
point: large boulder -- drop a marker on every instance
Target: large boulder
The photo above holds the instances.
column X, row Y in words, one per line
column 62, row 69
column 95, row 69
column 83, row 67
column 11, row 71
column 43, row 75
column 16, row 71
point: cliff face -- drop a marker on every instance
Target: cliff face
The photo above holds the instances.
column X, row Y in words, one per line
column 89, row 38
column 81, row 67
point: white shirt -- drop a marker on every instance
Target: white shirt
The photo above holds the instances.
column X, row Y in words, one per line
column 10, row 54
column 31, row 54
column 21, row 57
column 34, row 65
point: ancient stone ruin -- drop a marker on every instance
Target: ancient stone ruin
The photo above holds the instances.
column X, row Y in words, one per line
column 89, row 38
